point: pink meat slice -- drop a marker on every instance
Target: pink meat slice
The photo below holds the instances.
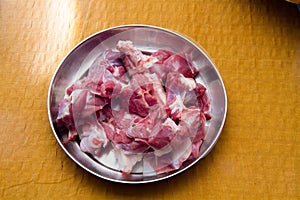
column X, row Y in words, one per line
column 162, row 55
column 184, row 143
column 199, row 137
column 178, row 88
column 106, row 70
column 158, row 67
column 170, row 62
column 189, row 122
column 180, row 150
column 105, row 114
column 136, row 99
column 79, row 84
column 76, row 108
column 65, row 117
column 141, row 80
column 163, row 134
column 179, row 63
column 93, row 139
column 147, row 91
column 105, row 73
column 183, row 93
column 202, row 100
column 115, row 134
column 192, row 124
column 144, row 128
column 126, row 160
column 135, row 61
column 108, row 60
column 121, row 140
column 141, row 100
column 92, row 93
column 85, row 104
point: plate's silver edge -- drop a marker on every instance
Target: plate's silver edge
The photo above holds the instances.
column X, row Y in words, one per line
column 142, row 181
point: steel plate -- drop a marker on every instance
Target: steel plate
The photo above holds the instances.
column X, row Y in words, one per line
column 149, row 39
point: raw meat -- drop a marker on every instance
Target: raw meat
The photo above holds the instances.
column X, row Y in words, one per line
column 93, row 138
column 170, row 62
column 179, row 63
column 135, row 61
column 139, row 108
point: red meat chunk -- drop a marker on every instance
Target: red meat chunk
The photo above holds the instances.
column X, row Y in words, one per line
column 138, row 108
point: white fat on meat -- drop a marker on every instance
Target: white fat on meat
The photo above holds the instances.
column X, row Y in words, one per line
column 137, row 58
column 178, row 87
column 182, row 149
column 84, row 104
column 177, row 105
column 64, row 109
column 93, row 138
column 190, row 121
column 126, row 161
column 159, row 91
column 179, row 151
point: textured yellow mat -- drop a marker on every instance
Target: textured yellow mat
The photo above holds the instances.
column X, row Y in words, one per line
column 256, row 47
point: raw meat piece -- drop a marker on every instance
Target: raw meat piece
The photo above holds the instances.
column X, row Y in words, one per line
column 158, row 68
column 184, row 144
column 115, row 134
column 74, row 109
column 126, row 161
column 181, row 149
column 199, row 137
column 105, row 73
column 202, row 99
column 107, row 60
column 121, row 140
column 179, row 63
column 65, row 117
column 144, row 128
column 170, row 62
column 164, row 135
column 135, row 61
column 192, row 124
column 148, row 91
column 139, row 109
column 79, row 84
column 177, row 88
column 93, row 138
column 189, row 122
column 141, row 80
column 162, row 55
column 139, row 98
column 85, row 104
column 105, row 114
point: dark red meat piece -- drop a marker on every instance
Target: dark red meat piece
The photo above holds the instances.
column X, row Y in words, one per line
column 141, row 99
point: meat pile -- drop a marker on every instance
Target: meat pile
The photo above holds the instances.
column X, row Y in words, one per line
column 142, row 108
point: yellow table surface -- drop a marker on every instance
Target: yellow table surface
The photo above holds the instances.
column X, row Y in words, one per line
column 256, row 48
